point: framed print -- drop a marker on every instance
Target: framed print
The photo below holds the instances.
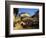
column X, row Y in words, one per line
column 24, row 18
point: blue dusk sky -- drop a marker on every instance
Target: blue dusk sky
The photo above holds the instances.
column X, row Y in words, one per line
column 30, row 11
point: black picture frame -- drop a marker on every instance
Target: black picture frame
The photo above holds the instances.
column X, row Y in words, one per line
column 7, row 13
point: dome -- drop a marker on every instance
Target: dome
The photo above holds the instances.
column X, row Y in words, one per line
column 23, row 14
